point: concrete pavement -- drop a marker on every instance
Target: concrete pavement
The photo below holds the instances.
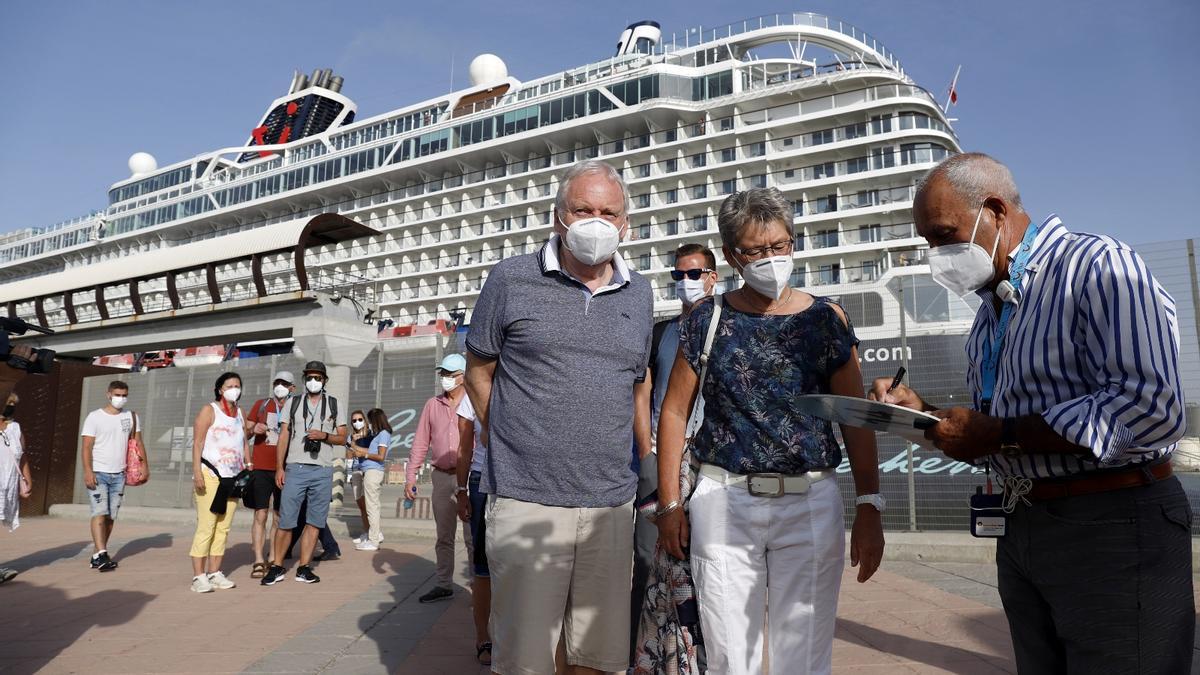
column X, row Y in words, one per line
column 59, row 616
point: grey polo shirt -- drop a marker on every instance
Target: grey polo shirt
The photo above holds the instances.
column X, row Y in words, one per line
column 561, row 413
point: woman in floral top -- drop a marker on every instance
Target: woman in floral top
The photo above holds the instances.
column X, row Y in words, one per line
column 765, row 502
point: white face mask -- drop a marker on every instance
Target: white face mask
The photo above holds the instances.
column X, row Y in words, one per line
column 690, row 291
column 359, row 425
column 281, row 391
column 449, row 383
column 118, row 402
column 769, row 276
column 232, row 394
column 314, row 386
column 593, row 241
column 963, row 268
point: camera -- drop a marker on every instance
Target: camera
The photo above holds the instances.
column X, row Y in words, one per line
column 38, row 361
column 312, row 446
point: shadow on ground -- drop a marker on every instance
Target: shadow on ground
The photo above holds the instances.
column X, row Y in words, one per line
column 399, row 621
column 951, row 658
column 132, row 548
column 48, row 556
column 47, row 621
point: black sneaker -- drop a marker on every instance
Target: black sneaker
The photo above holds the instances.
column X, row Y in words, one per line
column 304, row 575
column 438, row 593
column 274, row 575
column 327, row 556
column 103, row 562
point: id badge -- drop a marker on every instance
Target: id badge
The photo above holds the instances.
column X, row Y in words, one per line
column 988, row 519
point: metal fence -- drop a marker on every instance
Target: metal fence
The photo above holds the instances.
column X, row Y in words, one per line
column 400, row 377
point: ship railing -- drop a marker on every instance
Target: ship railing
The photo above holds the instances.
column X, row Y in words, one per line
column 697, row 36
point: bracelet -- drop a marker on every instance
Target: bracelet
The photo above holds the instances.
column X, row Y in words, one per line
column 461, row 489
column 673, row 505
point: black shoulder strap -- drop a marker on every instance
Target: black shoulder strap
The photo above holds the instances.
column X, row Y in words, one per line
column 292, row 416
column 333, row 407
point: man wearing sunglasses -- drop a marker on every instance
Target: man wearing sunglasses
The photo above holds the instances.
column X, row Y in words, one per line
column 695, row 277
column 304, row 470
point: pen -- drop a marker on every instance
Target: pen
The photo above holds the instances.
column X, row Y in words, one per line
column 896, row 380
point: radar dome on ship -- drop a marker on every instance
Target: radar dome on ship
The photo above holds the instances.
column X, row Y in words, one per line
column 142, row 163
column 487, row 69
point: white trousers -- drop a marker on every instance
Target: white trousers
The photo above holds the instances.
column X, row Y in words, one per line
column 741, row 546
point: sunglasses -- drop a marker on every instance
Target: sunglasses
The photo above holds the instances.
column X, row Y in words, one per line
column 313, row 378
column 694, row 275
column 358, row 419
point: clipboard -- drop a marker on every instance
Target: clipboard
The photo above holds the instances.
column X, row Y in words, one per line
column 859, row 412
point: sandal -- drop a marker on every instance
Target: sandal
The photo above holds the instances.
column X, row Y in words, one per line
column 258, row 571
column 480, row 649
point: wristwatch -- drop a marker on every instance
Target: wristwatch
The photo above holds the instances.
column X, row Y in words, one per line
column 459, row 490
column 875, row 500
column 1009, row 447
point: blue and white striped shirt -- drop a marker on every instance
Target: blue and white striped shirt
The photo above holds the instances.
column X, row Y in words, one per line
column 1092, row 348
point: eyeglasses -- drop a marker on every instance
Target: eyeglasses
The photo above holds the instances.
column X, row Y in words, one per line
column 358, row 419
column 778, row 248
column 313, row 378
column 694, row 275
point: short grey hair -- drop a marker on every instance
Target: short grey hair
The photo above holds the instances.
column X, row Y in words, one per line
column 756, row 205
column 584, row 168
column 974, row 176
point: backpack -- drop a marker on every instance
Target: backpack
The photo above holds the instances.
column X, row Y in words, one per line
column 296, row 400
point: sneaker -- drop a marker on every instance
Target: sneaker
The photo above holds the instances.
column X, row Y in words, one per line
column 220, row 581
column 7, row 574
column 103, row 562
column 366, row 545
column 359, row 539
column 304, row 575
column 328, row 556
column 200, row 584
column 275, row 574
column 438, row 593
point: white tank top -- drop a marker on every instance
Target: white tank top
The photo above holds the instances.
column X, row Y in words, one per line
column 224, row 443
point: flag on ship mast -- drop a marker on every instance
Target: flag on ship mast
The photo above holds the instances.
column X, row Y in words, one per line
column 952, row 94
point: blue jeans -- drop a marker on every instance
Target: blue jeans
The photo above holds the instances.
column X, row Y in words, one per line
column 478, row 527
column 105, row 500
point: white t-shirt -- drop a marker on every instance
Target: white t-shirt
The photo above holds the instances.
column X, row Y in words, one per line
column 112, row 439
column 479, row 453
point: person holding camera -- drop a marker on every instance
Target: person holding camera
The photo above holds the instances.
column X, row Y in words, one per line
column 262, row 425
column 220, row 450
column 304, row 470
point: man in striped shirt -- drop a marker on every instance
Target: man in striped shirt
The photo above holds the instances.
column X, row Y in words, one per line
column 1077, row 407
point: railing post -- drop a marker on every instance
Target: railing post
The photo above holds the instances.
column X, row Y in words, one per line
column 908, row 446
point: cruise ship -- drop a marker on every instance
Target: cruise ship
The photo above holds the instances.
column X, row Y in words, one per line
column 811, row 105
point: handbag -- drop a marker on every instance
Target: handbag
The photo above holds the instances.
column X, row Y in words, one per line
column 689, row 467
column 136, row 472
column 668, row 640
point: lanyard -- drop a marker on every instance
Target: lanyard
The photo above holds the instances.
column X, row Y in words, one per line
column 992, row 348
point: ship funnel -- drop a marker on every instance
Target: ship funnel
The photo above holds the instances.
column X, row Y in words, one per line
column 315, row 79
column 335, row 83
column 297, row 78
column 639, row 38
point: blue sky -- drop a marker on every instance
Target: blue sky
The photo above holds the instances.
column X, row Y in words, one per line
column 1090, row 103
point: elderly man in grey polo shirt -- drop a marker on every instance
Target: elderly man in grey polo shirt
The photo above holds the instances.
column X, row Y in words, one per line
column 558, row 342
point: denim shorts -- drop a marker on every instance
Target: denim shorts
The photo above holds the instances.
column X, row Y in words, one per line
column 478, row 526
column 106, row 498
column 305, row 481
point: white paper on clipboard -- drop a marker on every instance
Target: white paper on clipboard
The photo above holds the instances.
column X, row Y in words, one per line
column 859, row 412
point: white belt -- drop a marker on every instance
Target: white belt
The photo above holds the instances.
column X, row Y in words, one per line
column 766, row 484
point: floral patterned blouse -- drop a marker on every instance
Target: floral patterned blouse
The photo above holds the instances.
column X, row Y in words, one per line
column 758, row 365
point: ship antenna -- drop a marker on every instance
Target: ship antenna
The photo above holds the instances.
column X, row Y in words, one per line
column 451, row 70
